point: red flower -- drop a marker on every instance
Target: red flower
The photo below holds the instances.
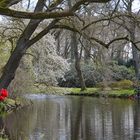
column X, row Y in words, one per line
column 2, row 98
column 4, row 92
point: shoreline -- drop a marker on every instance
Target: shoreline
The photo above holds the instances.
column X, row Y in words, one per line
column 106, row 94
column 93, row 92
column 9, row 105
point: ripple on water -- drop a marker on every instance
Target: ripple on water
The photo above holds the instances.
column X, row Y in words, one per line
column 40, row 96
column 36, row 96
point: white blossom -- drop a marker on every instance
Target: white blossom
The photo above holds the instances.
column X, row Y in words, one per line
column 47, row 65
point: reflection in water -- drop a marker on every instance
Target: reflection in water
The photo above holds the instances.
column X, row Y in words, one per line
column 3, row 131
column 75, row 118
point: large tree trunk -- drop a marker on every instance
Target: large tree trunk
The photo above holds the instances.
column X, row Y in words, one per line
column 135, row 53
column 57, row 38
column 66, row 49
column 74, row 54
column 77, row 63
column 136, row 62
column 72, row 48
column 71, row 35
column 14, row 60
column 87, row 52
column 10, row 68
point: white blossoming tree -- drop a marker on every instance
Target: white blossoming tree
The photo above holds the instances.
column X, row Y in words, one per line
column 47, row 65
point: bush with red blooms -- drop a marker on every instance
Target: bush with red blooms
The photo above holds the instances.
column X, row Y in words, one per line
column 3, row 94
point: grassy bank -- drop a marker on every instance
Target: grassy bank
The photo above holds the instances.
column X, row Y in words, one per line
column 105, row 93
column 121, row 93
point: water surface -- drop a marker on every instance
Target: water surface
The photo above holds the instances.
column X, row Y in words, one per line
column 74, row 118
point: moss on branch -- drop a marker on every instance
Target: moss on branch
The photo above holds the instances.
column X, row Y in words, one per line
column 32, row 15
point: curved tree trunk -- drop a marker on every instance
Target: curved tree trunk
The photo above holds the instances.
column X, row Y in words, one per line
column 21, row 47
column 10, row 69
column 77, row 63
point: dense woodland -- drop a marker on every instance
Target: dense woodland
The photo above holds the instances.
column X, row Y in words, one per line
column 68, row 43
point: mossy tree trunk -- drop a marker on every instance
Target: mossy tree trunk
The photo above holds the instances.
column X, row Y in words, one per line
column 22, row 45
column 77, row 62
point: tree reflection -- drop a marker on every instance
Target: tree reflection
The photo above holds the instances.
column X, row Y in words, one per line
column 137, row 120
column 75, row 118
column 21, row 123
column 4, row 134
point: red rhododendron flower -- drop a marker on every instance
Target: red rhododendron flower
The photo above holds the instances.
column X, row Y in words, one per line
column 4, row 92
column 2, row 98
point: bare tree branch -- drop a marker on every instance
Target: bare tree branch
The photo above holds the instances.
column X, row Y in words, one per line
column 32, row 15
column 106, row 45
column 45, row 15
column 112, row 18
column 8, row 3
column 42, row 33
column 81, row 2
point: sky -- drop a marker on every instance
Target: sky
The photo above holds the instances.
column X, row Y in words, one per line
column 136, row 5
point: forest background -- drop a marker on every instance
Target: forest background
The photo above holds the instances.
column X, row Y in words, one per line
column 97, row 47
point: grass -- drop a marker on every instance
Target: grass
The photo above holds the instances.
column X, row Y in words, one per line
column 99, row 92
column 3, row 138
column 122, row 93
column 88, row 92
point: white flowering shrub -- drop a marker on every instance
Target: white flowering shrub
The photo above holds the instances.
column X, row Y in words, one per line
column 48, row 67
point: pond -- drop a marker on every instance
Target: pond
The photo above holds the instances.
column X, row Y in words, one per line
column 74, row 118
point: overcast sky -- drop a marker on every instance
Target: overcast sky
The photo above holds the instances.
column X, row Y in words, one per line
column 136, row 5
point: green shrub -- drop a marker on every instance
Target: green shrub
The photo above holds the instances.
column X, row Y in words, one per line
column 100, row 85
column 114, row 85
column 121, row 72
column 94, row 74
column 123, row 84
column 91, row 75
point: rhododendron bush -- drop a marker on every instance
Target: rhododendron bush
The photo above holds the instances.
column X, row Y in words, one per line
column 47, row 65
